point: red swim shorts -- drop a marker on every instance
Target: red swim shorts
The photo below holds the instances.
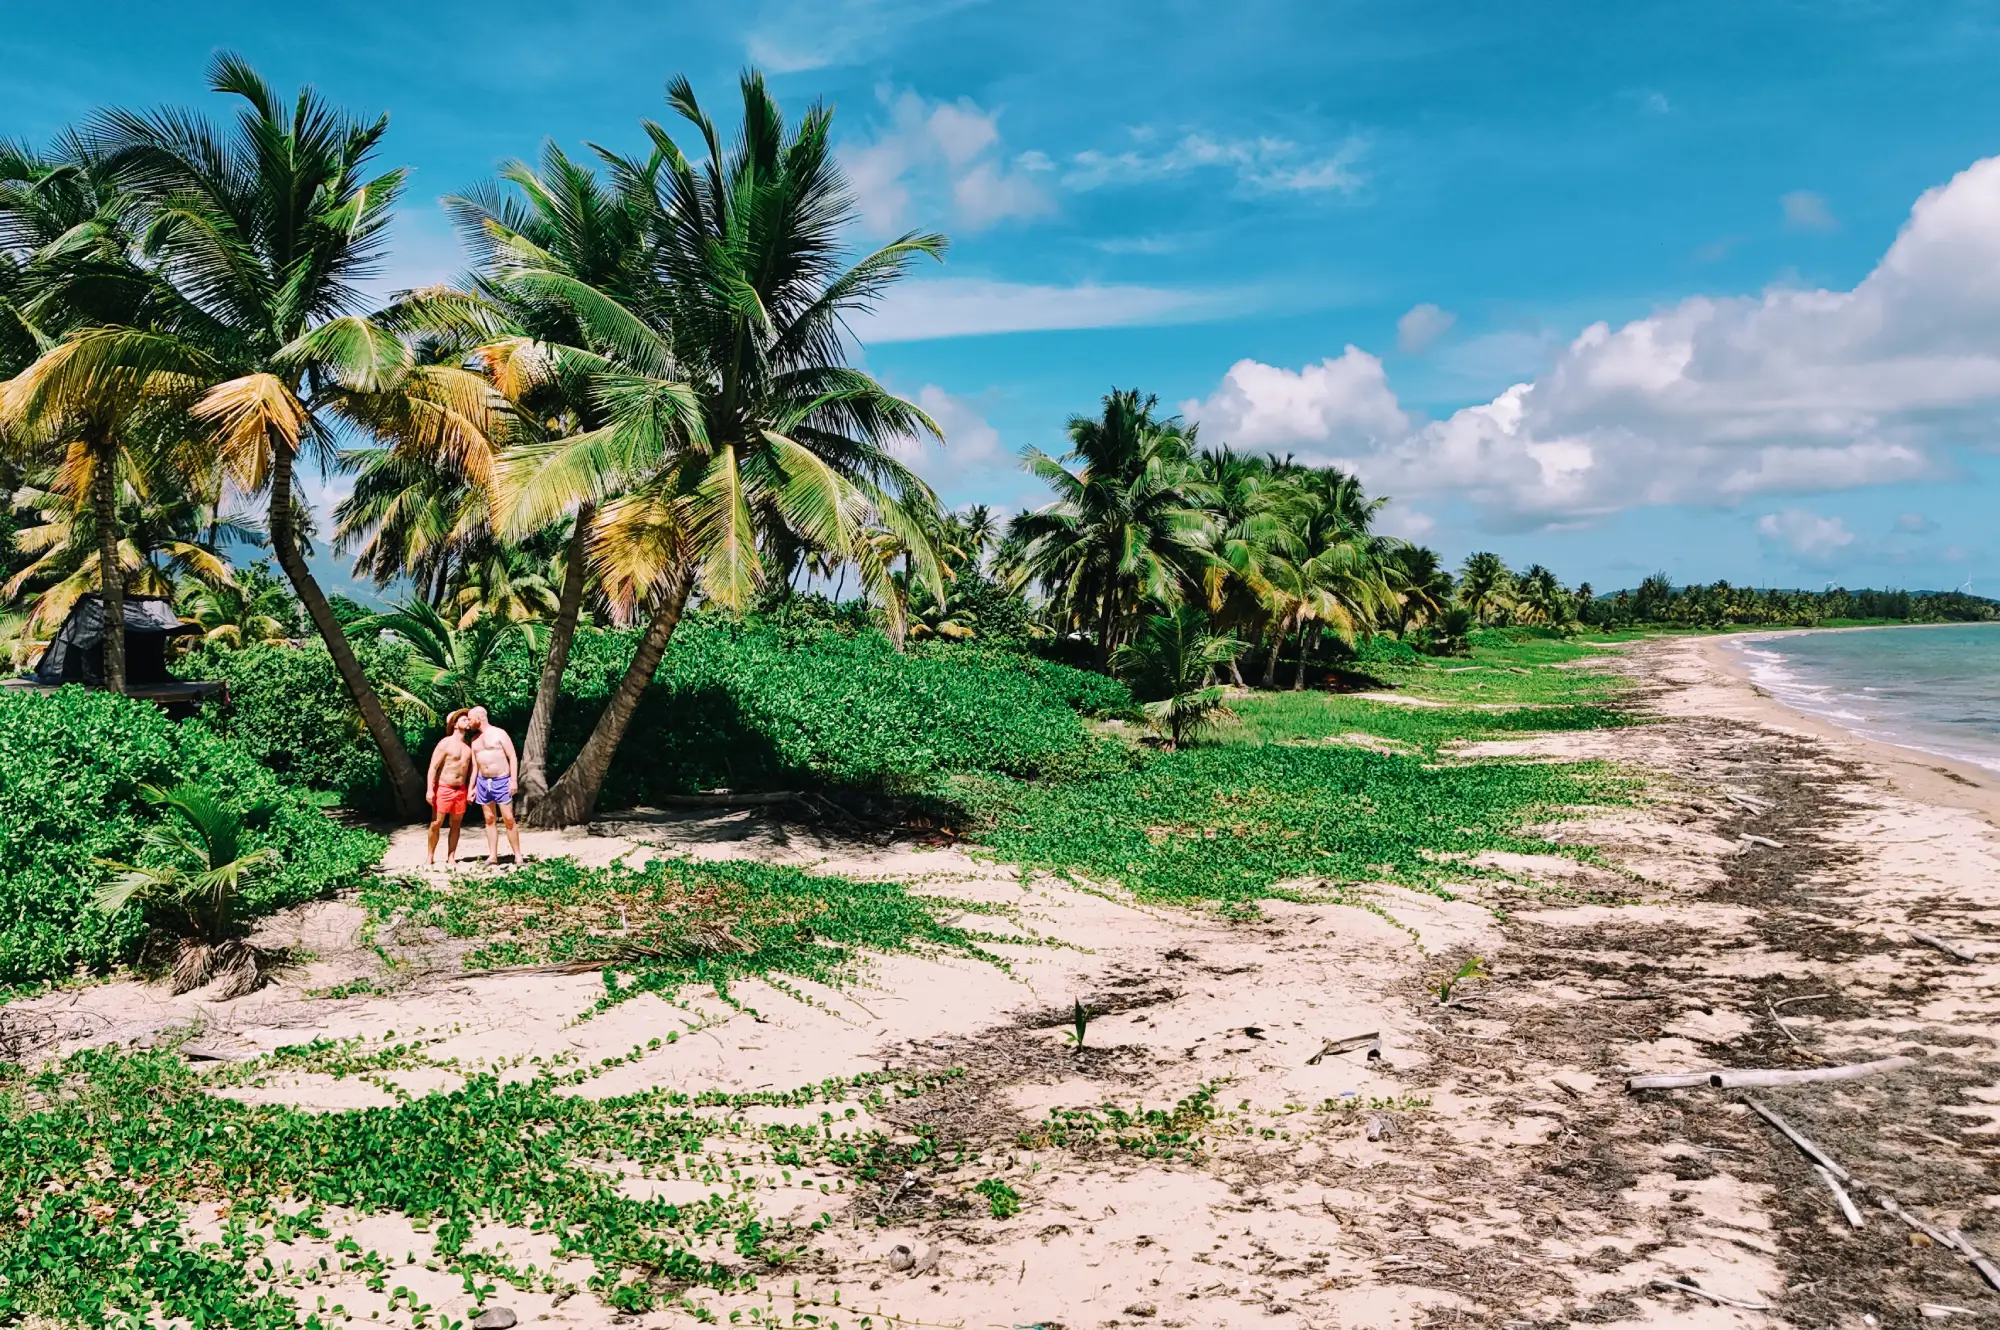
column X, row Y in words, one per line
column 451, row 799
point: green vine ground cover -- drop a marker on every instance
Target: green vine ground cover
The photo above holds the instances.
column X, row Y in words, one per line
column 677, row 921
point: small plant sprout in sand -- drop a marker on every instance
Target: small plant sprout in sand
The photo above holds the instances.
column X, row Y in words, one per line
column 194, row 886
column 1001, row 1199
column 1472, row 969
column 1079, row 1024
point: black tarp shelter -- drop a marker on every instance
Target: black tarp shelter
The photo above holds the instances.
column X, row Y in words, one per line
column 75, row 655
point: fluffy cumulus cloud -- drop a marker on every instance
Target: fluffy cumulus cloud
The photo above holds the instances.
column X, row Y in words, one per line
column 1424, row 324
column 973, row 306
column 930, row 152
column 1714, row 400
column 1806, row 535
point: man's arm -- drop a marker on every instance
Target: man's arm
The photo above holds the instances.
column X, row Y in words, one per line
column 431, row 776
column 513, row 758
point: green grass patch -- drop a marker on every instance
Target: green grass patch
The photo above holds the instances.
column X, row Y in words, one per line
column 1228, row 823
column 1295, row 718
column 680, row 921
column 1519, row 667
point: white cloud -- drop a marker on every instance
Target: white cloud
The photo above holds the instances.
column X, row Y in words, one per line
column 933, row 151
column 1340, row 403
column 1657, row 103
column 1405, row 523
column 1807, row 211
column 970, row 306
column 1915, row 524
column 1261, row 165
column 1713, row 400
column 969, row 441
column 1421, row 326
column 1807, row 535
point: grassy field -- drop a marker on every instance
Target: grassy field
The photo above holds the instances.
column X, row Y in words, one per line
column 1283, row 799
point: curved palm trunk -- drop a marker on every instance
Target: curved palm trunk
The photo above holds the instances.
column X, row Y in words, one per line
column 573, row 799
column 1308, row 638
column 110, row 577
column 404, row 782
column 535, row 747
column 1271, row 660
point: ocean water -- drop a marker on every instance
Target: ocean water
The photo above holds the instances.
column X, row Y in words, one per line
column 1936, row 689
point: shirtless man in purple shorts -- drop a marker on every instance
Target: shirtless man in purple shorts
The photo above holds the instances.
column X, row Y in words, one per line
column 495, row 767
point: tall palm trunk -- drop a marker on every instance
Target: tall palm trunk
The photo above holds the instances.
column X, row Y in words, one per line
column 1271, row 659
column 573, row 799
column 1308, row 638
column 404, row 782
column 535, row 747
column 110, row 576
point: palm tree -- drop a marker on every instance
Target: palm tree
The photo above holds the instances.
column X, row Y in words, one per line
column 450, row 658
column 65, row 245
column 1422, row 587
column 1171, row 662
column 1485, row 587
column 1122, row 523
column 1336, row 582
column 1542, row 596
column 265, row 231
column 251, row 606
column 199, row 870
column 163, row 532
column 556, row 249
column 734, row 424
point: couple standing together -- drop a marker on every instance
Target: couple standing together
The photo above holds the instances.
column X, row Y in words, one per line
column 475, row 760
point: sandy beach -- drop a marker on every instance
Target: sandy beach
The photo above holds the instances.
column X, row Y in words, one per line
column 1488, row 1168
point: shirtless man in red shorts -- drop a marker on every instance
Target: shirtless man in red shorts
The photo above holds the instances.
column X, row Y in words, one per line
column 449, row 782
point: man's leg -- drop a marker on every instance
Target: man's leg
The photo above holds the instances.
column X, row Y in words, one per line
column 451, row 850
column 513, row 831
column 437, row 820
column 492, row 835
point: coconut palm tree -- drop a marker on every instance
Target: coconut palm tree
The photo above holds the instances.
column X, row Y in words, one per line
column 194, row 883
column 1485, row 587
column 1123, row 523
column 252, row 606
column 1170, row 662
column 556, row 248
column 265, row 231
column 1542, row 597
column 66, row 265
column 1422, row 587
column 448, row 657
column 734, row 421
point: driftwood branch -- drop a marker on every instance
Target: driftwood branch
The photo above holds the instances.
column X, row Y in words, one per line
column 1888, row 1203
column 1948, row 948
column 1754, row 805
column 1737, row 1079
column 1847, row 1206
column 1987, row 1270
column 1804, row 997
column 1670, row 1080
column 1765, row 841
column 1372, row 1041
column 1715, row 1298
column 1813, row 1152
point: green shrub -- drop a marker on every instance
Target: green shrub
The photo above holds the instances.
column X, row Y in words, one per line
column 71, row 767
column 737, row 704
column 288, row 709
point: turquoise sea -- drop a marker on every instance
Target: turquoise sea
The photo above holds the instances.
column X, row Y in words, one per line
column 1931, row 688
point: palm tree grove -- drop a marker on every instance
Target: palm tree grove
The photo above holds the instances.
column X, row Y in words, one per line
column 519, row 800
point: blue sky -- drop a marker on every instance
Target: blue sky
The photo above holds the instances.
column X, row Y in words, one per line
column 1375, row 233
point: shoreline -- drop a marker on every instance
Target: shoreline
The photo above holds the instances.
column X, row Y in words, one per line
column 1914, row 772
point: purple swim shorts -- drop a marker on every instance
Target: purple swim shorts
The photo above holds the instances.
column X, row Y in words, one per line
column 493, row 789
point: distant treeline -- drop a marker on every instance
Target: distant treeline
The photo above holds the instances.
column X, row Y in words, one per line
column 1658, row 601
